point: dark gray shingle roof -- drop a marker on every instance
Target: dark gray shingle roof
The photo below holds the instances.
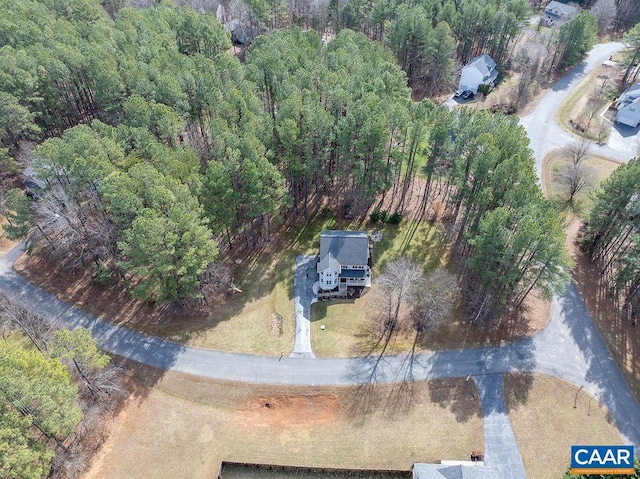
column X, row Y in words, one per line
column 348, row 247
column 559, row 10
column 631, row 94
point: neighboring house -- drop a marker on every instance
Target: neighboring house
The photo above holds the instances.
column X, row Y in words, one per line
column 557, row 12
column 479, row 71
column 31, row 182
column 241, row 32
column 628, row 106
column 344, row 264
column 462, row 470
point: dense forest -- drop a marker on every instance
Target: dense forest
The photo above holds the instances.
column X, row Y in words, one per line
column 55, row 385
column 160, row 146
column 611, row 238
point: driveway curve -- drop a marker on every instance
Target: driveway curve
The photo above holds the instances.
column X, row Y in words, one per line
column 544, row 132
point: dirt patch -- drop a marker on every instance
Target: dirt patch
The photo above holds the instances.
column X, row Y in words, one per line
column 288, row 411
column 276, row 325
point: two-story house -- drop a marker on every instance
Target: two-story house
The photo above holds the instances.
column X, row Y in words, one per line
column 344, row 264
column 480, row 70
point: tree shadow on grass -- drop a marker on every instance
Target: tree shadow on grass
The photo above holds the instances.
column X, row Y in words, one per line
column 516, row 388
column 458, row 395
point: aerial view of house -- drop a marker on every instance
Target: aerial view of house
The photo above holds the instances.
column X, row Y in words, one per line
column 628, row 106
column 481, row 70
column 344, row 265
column 558, row 12
column 261, row 239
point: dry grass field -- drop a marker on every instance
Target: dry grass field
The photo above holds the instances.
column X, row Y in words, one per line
column 185, row 426
column 546, row 423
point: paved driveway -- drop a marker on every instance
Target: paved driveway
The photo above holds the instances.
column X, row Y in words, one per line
column 624, row 139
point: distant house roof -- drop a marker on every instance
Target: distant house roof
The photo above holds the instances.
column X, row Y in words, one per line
column 444, row 471
column 630, row 95
column 560, row 10
column 485, row 65
column 241, row 32
column 347, row 247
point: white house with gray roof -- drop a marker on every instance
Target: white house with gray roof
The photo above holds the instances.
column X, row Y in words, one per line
column 628, row 106
column 558, row 12
column 480, row 70
column 344, row 264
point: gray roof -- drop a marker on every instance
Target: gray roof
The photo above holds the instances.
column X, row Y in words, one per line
column 630, row 95
column 485, row 65
column 442, row 471
column 559, row 10
column 348, row 247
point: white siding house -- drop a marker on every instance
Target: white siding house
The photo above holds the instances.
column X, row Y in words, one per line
column 344, row 264
column 480, row 70
column 628, row 106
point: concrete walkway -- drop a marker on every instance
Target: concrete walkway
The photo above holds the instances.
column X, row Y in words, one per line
column 303, row 279
column 500, row 448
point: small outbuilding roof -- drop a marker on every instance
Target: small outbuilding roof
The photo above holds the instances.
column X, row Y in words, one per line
column 348, row 247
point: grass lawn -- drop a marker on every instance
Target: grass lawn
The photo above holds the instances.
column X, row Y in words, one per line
column 247, row 321
column 546, row 424
column 185, row 427
column 554, row 161
column 575, row 107
column 346, row 324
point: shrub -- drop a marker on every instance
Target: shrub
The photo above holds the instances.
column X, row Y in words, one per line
column 103, row 275
column 395, row 218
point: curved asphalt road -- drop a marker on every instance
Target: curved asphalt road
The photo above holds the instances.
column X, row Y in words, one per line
column 569, row 348
column 544, row 132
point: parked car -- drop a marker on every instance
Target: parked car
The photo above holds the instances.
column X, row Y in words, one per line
column 467, row 94
column 458, row 93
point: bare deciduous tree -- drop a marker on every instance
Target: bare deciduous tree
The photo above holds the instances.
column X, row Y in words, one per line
column 529, row 60
column 75, row 233
column 577, row 176
column 215, row 280
column 628, row 14
column 437, row 295
column 605, row 11
column 398, row 286
column 577, row 151
column 13, row 316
